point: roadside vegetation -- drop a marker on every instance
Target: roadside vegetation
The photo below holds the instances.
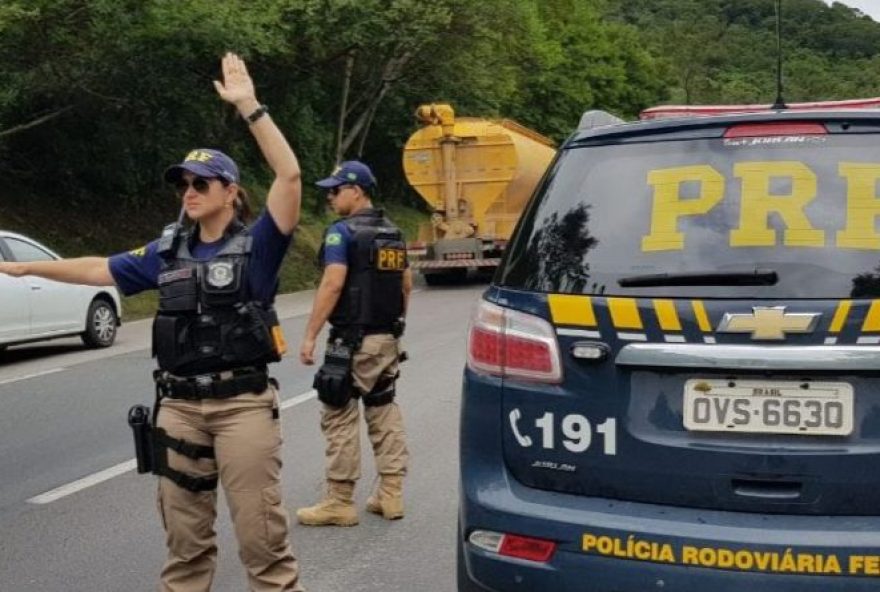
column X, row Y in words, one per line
column 97, row 97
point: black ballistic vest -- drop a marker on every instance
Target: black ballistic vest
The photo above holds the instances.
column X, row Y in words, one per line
column 372, row 298
column 207, row 320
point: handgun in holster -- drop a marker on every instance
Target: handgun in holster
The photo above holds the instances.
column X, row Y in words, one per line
column 142, row 428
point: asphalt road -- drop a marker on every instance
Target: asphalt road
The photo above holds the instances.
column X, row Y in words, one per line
column 75, row 516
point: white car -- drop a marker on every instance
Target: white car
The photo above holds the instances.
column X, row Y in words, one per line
column 34, row 309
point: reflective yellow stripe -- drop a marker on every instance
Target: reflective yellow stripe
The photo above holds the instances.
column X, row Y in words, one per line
column 840, row 315
column 571, row 310
column 702, row 317
column 872, row 321
column 667, row 315
column 624, row 313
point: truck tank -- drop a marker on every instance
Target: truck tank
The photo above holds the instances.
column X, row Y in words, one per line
column 476, row 175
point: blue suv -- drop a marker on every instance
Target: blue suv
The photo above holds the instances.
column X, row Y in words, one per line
column 673, row 382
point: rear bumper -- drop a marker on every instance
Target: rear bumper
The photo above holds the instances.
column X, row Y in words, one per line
column 611, row 546
column 436, row 264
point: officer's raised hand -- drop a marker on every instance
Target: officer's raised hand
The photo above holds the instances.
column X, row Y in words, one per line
column 285, row 194
column 237, row 85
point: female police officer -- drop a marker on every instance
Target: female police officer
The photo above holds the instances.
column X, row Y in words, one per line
column 214, row 333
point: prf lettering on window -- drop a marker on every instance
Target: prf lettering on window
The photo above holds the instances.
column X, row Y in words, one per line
column 392, row 259
column 757, row 203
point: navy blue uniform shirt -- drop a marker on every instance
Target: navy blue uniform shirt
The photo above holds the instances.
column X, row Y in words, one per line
column 138, row 270
column 336, row 243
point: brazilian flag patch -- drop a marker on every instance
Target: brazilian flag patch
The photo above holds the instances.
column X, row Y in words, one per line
column 333, row 239
column 139, row 252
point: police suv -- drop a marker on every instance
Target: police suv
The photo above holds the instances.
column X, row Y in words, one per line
column 673, row 382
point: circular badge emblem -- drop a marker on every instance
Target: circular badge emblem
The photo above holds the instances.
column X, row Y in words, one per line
column 220, row 274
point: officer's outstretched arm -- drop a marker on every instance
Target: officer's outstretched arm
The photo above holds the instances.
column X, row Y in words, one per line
column 285, row 194
column 94, row 271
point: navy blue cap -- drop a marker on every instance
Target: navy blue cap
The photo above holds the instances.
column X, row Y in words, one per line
column 350, row 172
column 204, row 162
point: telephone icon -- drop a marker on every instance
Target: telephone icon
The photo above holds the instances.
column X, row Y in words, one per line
column 515, row 416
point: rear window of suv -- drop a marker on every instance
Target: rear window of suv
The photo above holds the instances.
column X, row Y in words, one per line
column 801, row 212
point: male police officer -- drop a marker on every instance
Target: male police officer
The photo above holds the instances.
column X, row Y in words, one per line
column 363, row 292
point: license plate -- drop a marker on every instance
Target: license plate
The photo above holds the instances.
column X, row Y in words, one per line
column 768, row 407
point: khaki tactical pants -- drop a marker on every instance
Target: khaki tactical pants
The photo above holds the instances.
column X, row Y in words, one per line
column 246, row 435
column 376, row 357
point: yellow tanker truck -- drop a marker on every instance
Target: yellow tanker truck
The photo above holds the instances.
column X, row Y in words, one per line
column 476, row 175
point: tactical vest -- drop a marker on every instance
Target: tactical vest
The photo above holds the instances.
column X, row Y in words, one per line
column 207, row 321
column 372, row 298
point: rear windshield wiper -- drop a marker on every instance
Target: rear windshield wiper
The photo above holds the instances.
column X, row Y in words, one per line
column 756, row 277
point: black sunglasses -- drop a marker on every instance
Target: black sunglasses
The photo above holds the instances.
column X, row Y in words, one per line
column 200, row 184
column 334, row 191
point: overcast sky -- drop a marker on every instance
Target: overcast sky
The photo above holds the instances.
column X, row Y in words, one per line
column 869, row 7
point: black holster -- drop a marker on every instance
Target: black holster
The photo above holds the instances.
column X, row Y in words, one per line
column 383, row 392
column 142, row 428
column 333, row 381
column 151, row 446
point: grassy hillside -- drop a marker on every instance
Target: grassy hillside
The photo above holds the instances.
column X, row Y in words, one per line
column 76, row 231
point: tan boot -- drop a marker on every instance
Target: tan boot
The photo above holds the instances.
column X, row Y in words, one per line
column 336, row 509
column 373, row 505
column 387, row 498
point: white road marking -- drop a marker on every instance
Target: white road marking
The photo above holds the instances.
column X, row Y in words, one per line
column 79, row 485
column 34, row 375
column 129, row 465
column 306, row 396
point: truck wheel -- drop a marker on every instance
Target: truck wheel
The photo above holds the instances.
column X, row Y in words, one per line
column 434, row 279
column 101, row 323
column 446, row 278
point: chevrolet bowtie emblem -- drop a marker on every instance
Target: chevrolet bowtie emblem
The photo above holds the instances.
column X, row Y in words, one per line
column 769, row 322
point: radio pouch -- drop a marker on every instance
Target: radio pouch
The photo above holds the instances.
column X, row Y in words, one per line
column 333, row 380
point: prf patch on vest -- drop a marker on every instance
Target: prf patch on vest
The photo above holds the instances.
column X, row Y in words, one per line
column 391, row 259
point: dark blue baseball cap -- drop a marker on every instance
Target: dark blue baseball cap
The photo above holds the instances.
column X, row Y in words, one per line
column 204, row 162
column 350, row 172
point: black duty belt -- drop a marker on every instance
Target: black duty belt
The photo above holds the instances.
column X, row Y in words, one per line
column 378, row 330
column 219, row 385
column 353, row 332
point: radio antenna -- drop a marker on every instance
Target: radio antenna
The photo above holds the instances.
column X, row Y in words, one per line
column 780, row 102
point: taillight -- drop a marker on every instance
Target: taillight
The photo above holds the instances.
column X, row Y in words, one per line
column 513, row 344
column 526, row 548
column 513, row 545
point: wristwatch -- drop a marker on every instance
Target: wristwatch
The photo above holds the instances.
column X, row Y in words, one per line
column 258, row 113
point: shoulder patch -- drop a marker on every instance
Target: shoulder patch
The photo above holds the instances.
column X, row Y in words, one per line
column 333, row 238
column 139, row 252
